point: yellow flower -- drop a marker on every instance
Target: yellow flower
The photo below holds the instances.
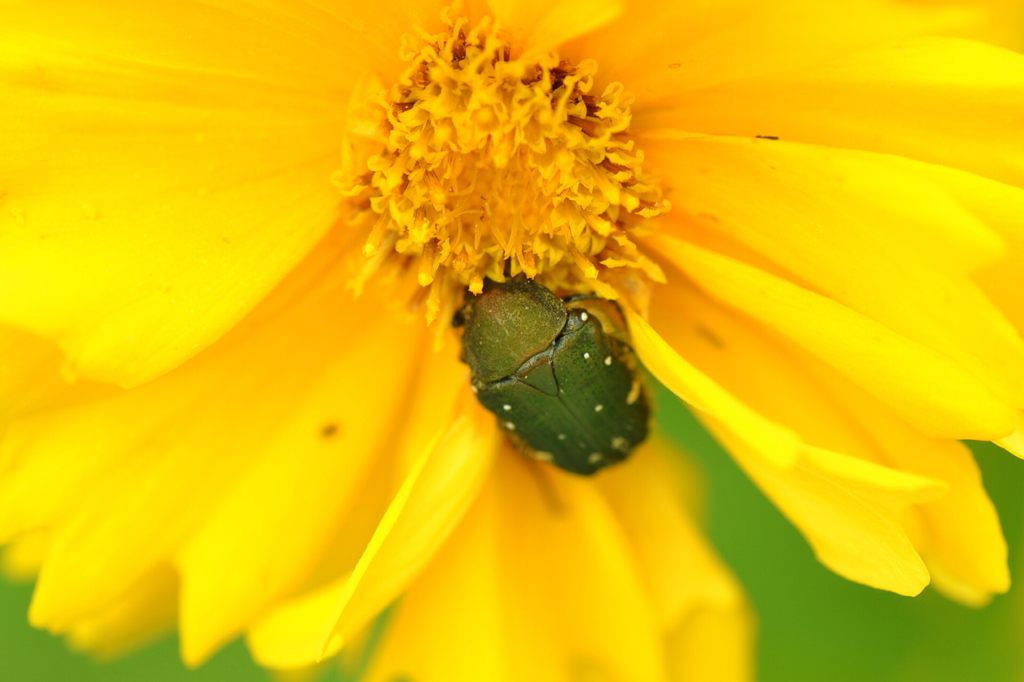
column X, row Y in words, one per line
column 810, row 217
column 216, row 433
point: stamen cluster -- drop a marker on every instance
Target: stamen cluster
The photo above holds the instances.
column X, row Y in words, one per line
column 491, row 166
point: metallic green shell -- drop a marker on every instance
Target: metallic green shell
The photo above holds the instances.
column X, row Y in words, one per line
column 507, row 324
column 562, row 382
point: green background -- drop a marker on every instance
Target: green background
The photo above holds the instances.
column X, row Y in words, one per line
column 813, row 625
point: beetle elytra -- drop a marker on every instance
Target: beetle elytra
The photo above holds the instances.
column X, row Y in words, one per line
column 559, row 374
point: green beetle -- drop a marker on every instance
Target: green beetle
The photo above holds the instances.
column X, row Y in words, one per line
column 559, row 374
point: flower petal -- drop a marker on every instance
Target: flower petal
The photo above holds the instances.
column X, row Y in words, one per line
column 109, row 476
column 314, row 467
column 998, row 23
column 664, row 50
column 775, row 443
column 542, row 26
column 958, row 534
column 335, row 39
column 774, row 200
column 961, row 540
column 828, row 491
column 819, row 490
column 148, row 611
column 536, row 583
column 435, row 495
column 697, row 600
column 21, row 559
column 291, row 636
column 29, row 372
column 924, row 387
column 1014, row 443
column 715, row 644
column 191, row 176
column 1003, row 207
column 942, row 100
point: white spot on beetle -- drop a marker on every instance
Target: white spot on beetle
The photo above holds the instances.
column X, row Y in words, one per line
column 584, row 317
column 620, row 443
column 608, row 361
column 561, row 436
column 598, row 408
column 595, row 457
column 510, row 426
column 543, row 456
column 586, row 356
column 634, row 393
column 506, row 407
column 474, row 389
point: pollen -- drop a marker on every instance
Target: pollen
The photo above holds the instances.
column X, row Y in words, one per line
column 480, row 164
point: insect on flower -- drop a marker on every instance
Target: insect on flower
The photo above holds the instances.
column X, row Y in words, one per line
column 559, row 374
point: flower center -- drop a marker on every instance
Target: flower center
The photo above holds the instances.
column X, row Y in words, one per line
column 484, row 165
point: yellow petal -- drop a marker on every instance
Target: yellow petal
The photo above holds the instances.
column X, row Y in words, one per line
column 537, row 583
column 878, row 190
column 961, row 541
column 1003, row 207
column 924, row 387
column 541, row 26
column 680, row 569
column 774, row 199
column 435, row 495
column 291, row 635
column 1002, row 282
column 998, row 23
column 715, row 644
column 700, row 606
column 958, row 534
column 143, row 614
column 828, row 491
column 284, row 514
column 664, row 50
column 999, row 206
column 29, row 372
column 699, row 391
column 941, row 100
column 109, row 475
column 1015, row 441
column 55, row 458
column 821, row 490
column 333, row 40
column 460, row 597
column 163, row 169
column 440, row 388
column 20, row 561
column 292, row 46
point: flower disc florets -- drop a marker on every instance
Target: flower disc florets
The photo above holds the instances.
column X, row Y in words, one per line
column 489, row 166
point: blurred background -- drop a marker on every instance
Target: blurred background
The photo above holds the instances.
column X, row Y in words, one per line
column 814, row 625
